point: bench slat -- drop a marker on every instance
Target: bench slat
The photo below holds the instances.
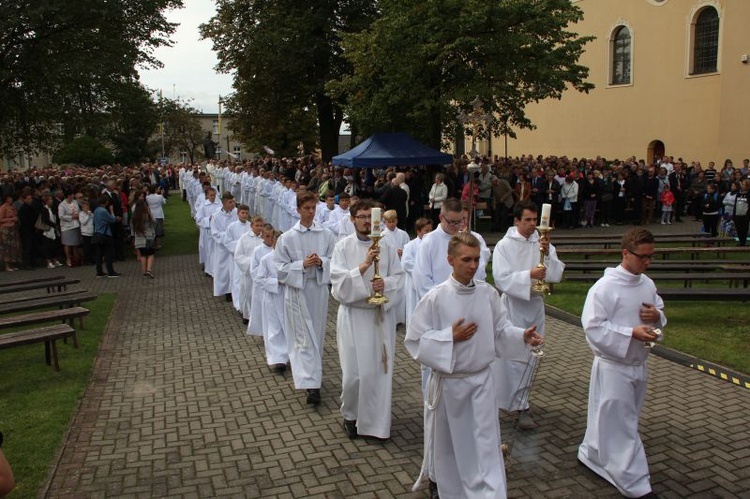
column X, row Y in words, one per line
column 16, row 338
column 54, row 300
column 28, row 286
column 41, row 317
column 31, row 281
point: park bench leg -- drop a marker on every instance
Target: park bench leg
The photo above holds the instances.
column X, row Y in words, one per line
column 75, row 339
column 54, row 356
column 47, row 354
column 80, row 321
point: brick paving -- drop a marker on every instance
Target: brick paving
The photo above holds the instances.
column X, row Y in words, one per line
column 181, row 404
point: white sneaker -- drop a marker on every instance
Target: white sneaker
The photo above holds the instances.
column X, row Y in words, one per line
column 50, row 265
column 669, row 223
column 663, row 222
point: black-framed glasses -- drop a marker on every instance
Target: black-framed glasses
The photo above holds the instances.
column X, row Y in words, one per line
column 643, row 257
column 363, row 217
column 454, row 223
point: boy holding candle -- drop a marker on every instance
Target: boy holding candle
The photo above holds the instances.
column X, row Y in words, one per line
column 514, row 267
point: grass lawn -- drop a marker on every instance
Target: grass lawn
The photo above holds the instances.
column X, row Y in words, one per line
column 181, row 233
column 37, row 403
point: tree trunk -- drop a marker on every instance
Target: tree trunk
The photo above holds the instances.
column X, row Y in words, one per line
column 329, row 122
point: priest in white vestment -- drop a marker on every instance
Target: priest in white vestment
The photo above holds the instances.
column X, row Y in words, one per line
column 274, row 336
column 255, row 327
column 423, row 226
column 221, row 258
column 303, row 257
column 457, row 330
column 514, row 269
column 366, row 333
column 234, row 232
column 621, row 311
column 243, row 257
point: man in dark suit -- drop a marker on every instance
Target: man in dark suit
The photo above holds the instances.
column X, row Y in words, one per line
column 118, row 234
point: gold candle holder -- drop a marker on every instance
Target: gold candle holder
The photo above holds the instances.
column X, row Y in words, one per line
column 377, row 298
column 541, row 286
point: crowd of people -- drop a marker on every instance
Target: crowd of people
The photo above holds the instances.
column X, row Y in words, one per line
column 294, row 241
column 83, row 216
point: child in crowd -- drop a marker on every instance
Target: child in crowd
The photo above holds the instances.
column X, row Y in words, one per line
column 667, row 200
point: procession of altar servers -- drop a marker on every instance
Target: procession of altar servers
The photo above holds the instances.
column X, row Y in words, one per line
column 241, row 262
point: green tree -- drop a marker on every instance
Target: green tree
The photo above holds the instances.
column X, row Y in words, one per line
column 132, row 122
column 86, row 151
column 63, row 64
column 283, row 53
column 182, row 129
column 423, row 62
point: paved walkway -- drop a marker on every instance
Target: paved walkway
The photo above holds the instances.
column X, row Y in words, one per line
column 181, row 404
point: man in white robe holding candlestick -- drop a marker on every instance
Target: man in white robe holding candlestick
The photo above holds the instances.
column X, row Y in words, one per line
column 457, row 330
column 366, row 332
column 621, row 311
column 303, row 258
column 514, row 268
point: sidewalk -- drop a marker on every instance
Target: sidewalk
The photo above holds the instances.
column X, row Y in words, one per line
column 181, row 404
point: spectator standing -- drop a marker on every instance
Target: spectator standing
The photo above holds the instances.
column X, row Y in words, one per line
column 70, row 228
column 103, row 240
column 144, row 237
column 156, row 201
column 27, row 216
column 667, row 200
column 49, row 232
column 711, row 206
column 741, row 212
column 10, row 247
column 86, row 217
column 590, row 196
column 438, row 194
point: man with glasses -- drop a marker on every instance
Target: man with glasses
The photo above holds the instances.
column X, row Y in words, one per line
column 622, row 310
column 366, row 333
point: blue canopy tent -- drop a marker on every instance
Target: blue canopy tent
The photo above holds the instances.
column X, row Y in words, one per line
column 391, row 149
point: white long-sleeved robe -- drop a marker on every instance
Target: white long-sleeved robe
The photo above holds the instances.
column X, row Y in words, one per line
column 255, row 327
column 222, row 260
column 274, row 336
column 203, row 219
column 398, row 238
column 243, row 257
column 462, row 434
column 408, row 259
column 612, row 446
column 305, row 299
column 234, row 232
column 366, row 333
column 512, row 260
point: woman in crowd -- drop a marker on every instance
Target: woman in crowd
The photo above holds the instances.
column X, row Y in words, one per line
column 144, row 235
column 156, row 200
column 10, row 246
column 711, row 206
column 86, row 217
column 590, row 195
column 49, row 232
column 70, row 228
column 438, row 194
column 103, row 239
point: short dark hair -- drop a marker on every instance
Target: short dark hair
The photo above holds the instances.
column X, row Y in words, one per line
column 304, row 197
column 451, row 205
column 465, row 238
column 521, row 206
column 635, row 237
column 362, row 205
column 421, row 223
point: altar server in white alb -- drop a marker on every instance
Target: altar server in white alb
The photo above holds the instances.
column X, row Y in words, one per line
column 303, row 260
column 222, row 259
column 203, row 220
column 255, row 327
column 366, row 333
column 457, row 330
column 514, row 268
column 621, row 311
column 234, row 232
column 397, row 238
column 274, row 337
column 423, row 226
column 243, row 257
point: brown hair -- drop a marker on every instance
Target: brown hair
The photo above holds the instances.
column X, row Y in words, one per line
column 362, row 205
column 465, row 238
column 635, row 237
column 421, row 223
column 305, row 197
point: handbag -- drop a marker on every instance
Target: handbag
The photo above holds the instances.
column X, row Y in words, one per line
column 40, row 225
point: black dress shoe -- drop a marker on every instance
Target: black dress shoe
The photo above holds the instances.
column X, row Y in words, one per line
column 313, row 396
column 246, row 321
column 650, row 495
column 281, row 368
column 228, row 297
column 433, row 490
column 350, row 427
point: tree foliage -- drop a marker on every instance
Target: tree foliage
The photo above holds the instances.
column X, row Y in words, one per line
column 283, row 53
column 423, row 61
column 63, row 64
column 86, row 151
column 182, row 132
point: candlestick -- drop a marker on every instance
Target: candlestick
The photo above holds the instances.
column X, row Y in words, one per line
column 375, row 229
column 540, row 286
column 546, row 211
column 377, row 298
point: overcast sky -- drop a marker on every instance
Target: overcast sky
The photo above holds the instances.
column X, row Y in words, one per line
column 188, row 71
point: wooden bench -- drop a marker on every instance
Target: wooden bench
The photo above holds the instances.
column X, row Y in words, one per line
column 64, row 315
column 705, row 294
column 29, row 281
column 665, row 252
column 689, row 266
column 59, row 285
column 615, row 242
column 59, row 300
column 687, row 279
column 48, row 335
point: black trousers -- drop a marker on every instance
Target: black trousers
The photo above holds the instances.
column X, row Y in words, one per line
column 741, row 225
column 104, row 251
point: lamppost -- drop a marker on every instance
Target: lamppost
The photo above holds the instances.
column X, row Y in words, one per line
column 476, row 118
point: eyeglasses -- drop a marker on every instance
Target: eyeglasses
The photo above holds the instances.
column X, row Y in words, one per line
column 454, row 223
column 643, row 257
column 363, row 217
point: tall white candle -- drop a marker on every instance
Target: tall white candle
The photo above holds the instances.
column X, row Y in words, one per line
column 375, row 230
column 546, row 211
